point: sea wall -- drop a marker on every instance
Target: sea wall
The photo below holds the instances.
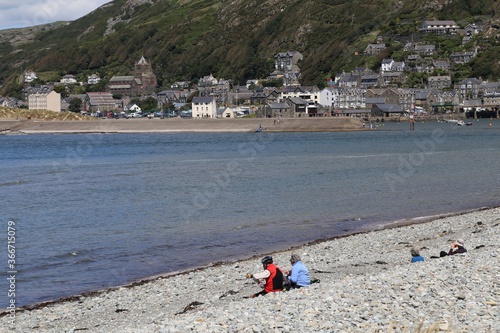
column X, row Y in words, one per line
column 326, row 124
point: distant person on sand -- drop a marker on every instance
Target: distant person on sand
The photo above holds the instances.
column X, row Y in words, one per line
column 457, row 247
column 271, row 279
column 415, row 256
column 298, row 276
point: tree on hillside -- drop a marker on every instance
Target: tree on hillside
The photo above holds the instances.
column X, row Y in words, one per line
column 190, row 97
column 62, row 90
column 135, row 100
column 168, row 105
column 37, row 81
column 99, row 86
column 75, row 105
column 273, row 83
column 148, row 104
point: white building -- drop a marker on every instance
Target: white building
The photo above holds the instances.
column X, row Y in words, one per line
column 235, row 112
column 132, row 108
column 30, row 76
column 351, row 98
column 68, row 79
column 41, row 100
column 311, row 94
column 93, row 79
column 386, row 65
column 440, row 27
column 204, row 107
column 207, row 81
column 251, row 83
column 328, row 97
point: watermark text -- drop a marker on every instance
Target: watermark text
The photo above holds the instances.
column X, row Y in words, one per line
column 11, row 271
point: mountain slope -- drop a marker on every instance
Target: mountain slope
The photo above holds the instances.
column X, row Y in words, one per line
column 237, row 40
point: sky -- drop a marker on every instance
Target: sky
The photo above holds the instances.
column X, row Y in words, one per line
column 26, row 13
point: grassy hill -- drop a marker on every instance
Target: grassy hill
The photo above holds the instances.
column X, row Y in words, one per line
column 187, row 39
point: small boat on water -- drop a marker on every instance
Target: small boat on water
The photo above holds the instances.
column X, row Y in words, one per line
column 458, row 122
column 258, row 129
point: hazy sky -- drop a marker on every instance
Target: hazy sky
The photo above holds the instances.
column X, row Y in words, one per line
column 26, row 13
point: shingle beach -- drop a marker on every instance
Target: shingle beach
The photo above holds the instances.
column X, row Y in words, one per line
column 366, row 285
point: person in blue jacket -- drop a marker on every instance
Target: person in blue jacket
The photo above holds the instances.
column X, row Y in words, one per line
column 298, row 276
column 415, row 256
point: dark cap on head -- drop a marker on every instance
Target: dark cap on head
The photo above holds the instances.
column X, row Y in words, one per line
column 267, row 260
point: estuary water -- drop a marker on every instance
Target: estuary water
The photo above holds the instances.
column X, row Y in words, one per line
column 100, row 210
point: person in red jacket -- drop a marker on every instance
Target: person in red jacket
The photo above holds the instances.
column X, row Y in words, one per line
column 271, row 279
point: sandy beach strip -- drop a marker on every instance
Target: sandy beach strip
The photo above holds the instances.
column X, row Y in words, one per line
column 172, row 125
column 366, row 285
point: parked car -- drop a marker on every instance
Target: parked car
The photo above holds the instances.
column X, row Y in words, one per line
column 164, row 114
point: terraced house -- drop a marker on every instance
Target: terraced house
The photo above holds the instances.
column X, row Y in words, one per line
column 440, row 27
column 44, row 98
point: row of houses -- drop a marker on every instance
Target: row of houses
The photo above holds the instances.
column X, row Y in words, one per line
column 311, row 101
column 293, row 101
column 434, row 26
column 11, row 102
column 354, row 91
column 144, row 82
column 31, row 76
column 420, row 57
column 286, row 69
column 393, row 73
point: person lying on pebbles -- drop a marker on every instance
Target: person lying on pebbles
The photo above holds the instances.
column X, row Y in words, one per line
column 457, row 247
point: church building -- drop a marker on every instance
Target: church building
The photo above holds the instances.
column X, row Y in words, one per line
column 143, row 82
column 144, row 73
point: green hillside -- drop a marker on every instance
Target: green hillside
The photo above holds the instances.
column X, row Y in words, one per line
column 188, row 39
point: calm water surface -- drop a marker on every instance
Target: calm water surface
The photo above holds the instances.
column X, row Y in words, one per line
column 94, row 211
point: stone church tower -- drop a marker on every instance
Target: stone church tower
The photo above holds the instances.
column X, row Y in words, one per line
column 144, row 73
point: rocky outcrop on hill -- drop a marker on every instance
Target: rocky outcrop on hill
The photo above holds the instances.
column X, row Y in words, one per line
column 19, row 36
